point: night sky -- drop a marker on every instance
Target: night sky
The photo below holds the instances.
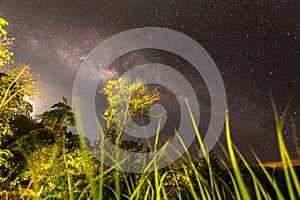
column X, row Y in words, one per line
column 255, row 45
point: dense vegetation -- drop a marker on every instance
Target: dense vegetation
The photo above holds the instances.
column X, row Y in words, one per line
column 40, row 159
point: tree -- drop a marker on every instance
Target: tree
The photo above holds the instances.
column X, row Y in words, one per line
column 16, row 86
column 124, row 103
column 5, row 45
column 52, row 167
column 57, row 119
column 46, row 155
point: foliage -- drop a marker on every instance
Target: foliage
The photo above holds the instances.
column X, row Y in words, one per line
column 124, row 103
column 5, row 155
column 18, row 144
column 5, row 45
column 57, row 119
column 16, row 87
column 48, row 166
column 45, row 154
column 63, row 169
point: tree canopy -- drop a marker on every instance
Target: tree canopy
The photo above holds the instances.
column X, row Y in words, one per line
column 17, row 85
column 124, row 103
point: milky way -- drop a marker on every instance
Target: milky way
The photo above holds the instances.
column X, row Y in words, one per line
column 255, row 44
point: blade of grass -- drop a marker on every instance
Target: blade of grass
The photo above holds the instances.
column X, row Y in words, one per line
column 267, row 174
column 239, row 178
column 257, row 184
column 81, row 134
column 200, row 179
column 287, row 165
column 202, row 148
column 238, row 196
column 69, row 180
column 147, row 193
column 190, row 185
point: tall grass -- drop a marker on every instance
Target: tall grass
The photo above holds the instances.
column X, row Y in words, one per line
column 187, row 179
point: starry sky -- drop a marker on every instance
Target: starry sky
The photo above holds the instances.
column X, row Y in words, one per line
column 255, row 45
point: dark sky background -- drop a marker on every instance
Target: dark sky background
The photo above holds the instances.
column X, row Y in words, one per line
column 255, row 45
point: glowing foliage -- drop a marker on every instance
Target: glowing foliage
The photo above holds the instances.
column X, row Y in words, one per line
column 16, row 85
column 124, row 103
column 5, row 45
column 48, row 168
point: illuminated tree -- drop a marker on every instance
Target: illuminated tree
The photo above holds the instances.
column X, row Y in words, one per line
column 5, row 45
column 124, row 103
column 16, row 85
